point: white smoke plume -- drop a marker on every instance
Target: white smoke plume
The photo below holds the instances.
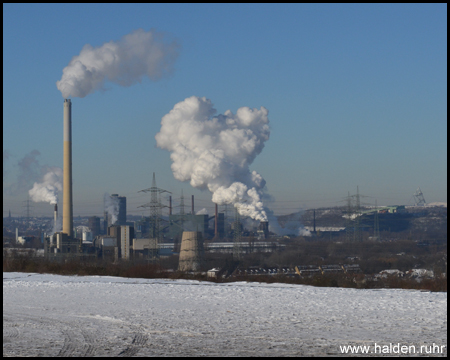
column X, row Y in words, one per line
column 6, row 155
column 29, row 171
column 112, row 207
column 125, row 62
column 215, row 152
column 292, row 226
column 303, row 232
column 47, row 190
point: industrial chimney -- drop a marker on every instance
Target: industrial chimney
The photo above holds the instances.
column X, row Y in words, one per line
column 55, row 216
column 67, row 175
column 216, row 222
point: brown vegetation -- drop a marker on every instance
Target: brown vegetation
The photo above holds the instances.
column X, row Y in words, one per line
column 13, row 261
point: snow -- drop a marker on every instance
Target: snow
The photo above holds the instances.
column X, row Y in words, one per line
column 52, row 315
column 443, row 204
column 421, row 273
column 385, row 273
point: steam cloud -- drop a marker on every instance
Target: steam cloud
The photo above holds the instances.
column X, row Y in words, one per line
column 29, row 171
column 112, row 207
column 47, row 190
column 287, row 224
column 6, row 156
column 215, row 153
column 202, row 212
column 124, row 62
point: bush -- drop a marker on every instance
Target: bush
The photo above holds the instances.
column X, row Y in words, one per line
column 14, row 261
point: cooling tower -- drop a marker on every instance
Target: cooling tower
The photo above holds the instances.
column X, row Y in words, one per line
column 191, row 251
column 67, row 175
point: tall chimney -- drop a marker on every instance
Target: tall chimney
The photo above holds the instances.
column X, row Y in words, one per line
column 193, row 205
column 216, row 222
column 67, row 175
column 170, row 205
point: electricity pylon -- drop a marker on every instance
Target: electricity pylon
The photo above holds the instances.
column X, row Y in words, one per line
column 354, row 216
column 155, row 206
column 182, row 203
column 376, row 224
column 349, row 212
column 27, row 214
column 419, row 200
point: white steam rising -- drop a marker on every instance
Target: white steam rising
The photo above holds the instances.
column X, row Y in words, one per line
column 124, row 62
column 202, row 212
column 291, row 226
column 6, row 155
column 112, row 207
column 47, row 190
column 215, row 152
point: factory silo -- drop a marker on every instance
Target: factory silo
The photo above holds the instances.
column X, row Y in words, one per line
column 191, row 251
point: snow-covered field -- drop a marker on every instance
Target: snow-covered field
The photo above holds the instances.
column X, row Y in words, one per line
column 51, row 315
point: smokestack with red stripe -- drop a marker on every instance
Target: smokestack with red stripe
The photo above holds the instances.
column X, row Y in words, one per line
column 67, row 175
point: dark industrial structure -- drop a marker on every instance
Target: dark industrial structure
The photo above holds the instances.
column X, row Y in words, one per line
column 94, row 225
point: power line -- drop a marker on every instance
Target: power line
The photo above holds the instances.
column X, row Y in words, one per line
column 27, row 212
column 155, row 214
column 376, row 225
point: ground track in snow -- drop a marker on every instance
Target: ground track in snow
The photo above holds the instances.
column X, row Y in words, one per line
column 67, row 316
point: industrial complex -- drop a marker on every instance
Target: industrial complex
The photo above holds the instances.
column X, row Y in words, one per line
column 149, row 238
column 190, row 235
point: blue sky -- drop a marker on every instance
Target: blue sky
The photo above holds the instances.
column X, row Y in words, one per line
column 357, row 96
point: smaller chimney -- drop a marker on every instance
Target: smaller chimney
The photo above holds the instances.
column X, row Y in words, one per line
column 170, row 205
column 55, row 215
column 193, row 205
column 216, row 222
